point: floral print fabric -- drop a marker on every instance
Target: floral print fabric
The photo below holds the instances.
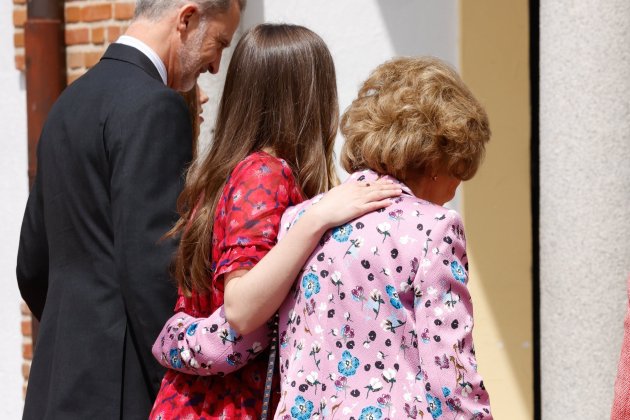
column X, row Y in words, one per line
column 246, row 224
column 379, row 323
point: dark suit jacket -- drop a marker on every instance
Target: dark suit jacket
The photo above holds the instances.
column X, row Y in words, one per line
column 91, row 266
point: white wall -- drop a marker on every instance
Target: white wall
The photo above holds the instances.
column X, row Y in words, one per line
column 212, row 85
column 584, row 202
column 14, row 191
column 361, row 34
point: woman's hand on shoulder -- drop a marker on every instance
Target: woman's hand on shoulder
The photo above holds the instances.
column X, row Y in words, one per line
column 350, row 200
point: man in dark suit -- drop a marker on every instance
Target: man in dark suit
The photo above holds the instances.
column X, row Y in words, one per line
column 91, row 265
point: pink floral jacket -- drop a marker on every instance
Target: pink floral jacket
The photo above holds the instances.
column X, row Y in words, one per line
column 378, row 325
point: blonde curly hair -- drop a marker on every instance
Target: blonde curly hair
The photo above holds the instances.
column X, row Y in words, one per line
column 414, row 114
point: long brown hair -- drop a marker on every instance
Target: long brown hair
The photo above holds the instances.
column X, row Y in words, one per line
column 192, row 101
column 280, row 94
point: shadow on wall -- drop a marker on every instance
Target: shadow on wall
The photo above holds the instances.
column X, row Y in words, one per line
column 213, row 84
column 419, row 27
column 254, row 14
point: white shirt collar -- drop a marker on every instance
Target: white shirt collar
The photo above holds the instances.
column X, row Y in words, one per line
column 146, row 50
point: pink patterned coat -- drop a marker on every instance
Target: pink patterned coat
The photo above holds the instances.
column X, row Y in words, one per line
column 379, row 323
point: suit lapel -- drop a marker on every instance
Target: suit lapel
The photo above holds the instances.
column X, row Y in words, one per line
column 133, row 56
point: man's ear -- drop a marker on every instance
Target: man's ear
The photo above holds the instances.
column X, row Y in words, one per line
column 186, row 15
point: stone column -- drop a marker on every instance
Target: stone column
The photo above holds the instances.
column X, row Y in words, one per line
column 584, row 202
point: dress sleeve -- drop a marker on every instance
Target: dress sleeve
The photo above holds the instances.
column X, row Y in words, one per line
column 444, row 316
column 255, row 197
column 207, row 346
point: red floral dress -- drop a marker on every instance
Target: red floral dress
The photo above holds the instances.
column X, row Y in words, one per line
column 246, row 226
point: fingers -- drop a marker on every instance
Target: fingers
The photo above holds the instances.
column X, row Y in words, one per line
column 361, row 193
column 353, row 199
column 376, row 205
column 368, row 198
column 380, row 189
column 378, row 182
column 384, row 181
column 382, row 193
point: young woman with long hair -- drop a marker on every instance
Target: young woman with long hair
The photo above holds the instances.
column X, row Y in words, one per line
column 272, row 148
column 379, row 324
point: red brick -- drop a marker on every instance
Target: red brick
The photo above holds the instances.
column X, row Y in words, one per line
column 124, row 11
column 92, row 57
column 20, row 64
column 26, row 327
column 96, row 12
column 113, row 32
column 26, row 370
column 27, row 351
column 77, row 36
column 18, row 39
column 75, row 60
column 19, row 17
column 73, row 14
column 98, row 35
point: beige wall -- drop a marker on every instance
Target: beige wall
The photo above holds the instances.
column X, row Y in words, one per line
column 494, row 54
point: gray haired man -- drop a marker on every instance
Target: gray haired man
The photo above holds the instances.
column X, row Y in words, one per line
column 91, row 265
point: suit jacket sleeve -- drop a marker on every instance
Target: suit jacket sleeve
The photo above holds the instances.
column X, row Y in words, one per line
column 149, row 145
column 32, row 262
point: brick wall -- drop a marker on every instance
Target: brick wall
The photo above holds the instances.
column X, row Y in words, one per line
column 91, row 25
column 27, row 344
column 19, row 17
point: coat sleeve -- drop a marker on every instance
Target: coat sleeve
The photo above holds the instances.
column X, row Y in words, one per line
column 149, row 144
column 444, row 315
column 32, row 261
column 207, row 346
